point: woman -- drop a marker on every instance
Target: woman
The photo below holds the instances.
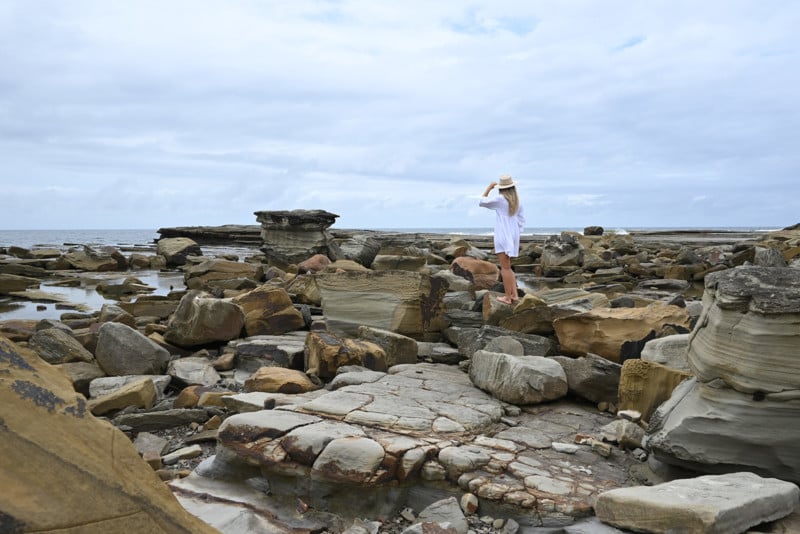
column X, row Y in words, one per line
column 509, row 221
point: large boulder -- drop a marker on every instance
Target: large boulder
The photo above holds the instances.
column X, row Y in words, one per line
column 269, row 311
column 483, row 274
column 325, row 352
column 95, row 260
column 87, row 472
column 290, row 237
column 518, row 379
column 644, row 386
column 176, row 249
column 121, row 350
column 361, row 248
column 399, row 349
column 400, row 301
column 740, row 412
column 224, row 274
column 712, row 504
column 201, row 319
column 605, row 331
column 592, row 377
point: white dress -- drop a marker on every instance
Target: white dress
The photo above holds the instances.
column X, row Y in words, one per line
column 507, row 228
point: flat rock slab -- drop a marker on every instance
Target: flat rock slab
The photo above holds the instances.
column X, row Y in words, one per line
column 723, row 504
column 424, row 423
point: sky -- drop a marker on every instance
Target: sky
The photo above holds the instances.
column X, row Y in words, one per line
column 620, row 113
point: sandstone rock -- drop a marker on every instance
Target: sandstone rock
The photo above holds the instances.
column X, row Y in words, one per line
column 325, row 352
column 201, row 319
column 111, row 313
column 455, row 284
column 482, row 274
column 361, row 248
column 403, row 302
column 95, row 260
column 221, row 273
column 255, row 352
column 304, row 290
column 18, row 329
column 396, row 262
column 54, row 346
column 279, row 380
column 106, row 385
column 10, row 283
column 139, row 394
column 399, row 349
column 748, row 333
column 643, row 386
column 269, row 311
column 176, row 249
column 518, row 380
column 561, row 251
column 129, row 286
column 193, row 370
column 592, row 377
column 292, row 236
column 669, row 351
column 314, row 264
column 353, row 459
column 604, row 331
column 714, row 504
column 87, row 472
column 121, row 350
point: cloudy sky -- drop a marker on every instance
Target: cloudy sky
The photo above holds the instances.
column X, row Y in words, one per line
column 621, row 113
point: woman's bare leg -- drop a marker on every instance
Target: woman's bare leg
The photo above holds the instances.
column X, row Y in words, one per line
column 509, row 279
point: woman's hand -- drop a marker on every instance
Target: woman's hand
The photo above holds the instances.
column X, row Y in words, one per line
column 489, row 187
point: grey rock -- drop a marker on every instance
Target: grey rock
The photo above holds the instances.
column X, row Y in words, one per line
column 149, row 421
column 716, row 504
column 592, row 377
column 81, row 374
column 100, row 387
column 193, row 370
column 399, row 349
column 470, row 340
column 668, row 350
column 255, row 352
column 361, row 248
column 518, row 380
column 353, row 459
column 55, row 345
column 175, row 250
column 121, row 350
column 445, row 512
column 293, row 236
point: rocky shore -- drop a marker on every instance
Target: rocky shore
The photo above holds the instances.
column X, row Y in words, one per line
column 363, row 381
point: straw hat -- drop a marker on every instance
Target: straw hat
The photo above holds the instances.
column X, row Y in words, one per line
column 506, row 181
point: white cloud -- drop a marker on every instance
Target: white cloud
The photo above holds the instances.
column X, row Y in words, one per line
column 629, row 109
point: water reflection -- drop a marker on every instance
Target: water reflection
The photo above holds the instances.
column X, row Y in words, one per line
column 84, row 297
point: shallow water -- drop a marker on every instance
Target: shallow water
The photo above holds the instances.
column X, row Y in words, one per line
column 85, row 297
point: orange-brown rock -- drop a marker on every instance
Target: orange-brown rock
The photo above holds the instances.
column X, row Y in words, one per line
column 269, row 311
column 325, row 352
column 482, row 274
column 644, row 385
column 603, row 331
column 279, row 380
column 63, row 470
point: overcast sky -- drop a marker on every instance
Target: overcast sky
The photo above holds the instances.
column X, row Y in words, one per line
column 634, row 113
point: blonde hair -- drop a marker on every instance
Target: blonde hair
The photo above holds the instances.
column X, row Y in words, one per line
column 510, row 194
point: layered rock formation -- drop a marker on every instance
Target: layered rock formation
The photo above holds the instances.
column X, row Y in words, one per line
column 741, row 410
column 293, row 236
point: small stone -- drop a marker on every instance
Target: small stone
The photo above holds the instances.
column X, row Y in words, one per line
column 487, row 520
column 408, row 514
column 182, row 454
column 566, row 448
column 630, row 415
column 469, row 503
column 603, row 449
column 497, row 524
column 511, row 527
column 603, row 406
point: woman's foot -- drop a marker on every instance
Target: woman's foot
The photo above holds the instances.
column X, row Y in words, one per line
column 505, row 300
